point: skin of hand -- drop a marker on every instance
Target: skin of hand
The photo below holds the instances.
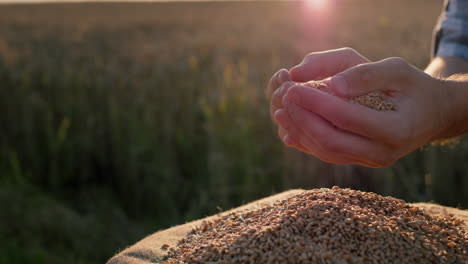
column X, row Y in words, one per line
column 315, row 66
column 444, row 67
column 340, row 132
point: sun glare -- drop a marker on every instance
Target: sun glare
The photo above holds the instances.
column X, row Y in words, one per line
column 317, row 4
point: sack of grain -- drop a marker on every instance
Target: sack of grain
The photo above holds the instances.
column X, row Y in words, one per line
column 317, row 226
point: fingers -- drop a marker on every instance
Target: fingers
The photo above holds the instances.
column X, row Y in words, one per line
column 333, row 143
column 312, row 146
column 276, row 80
column 288, row 139
column 277, row 88
column 384, row 75
column 321, row 65
column 292, row 137
column 344, row 115
column 277, row 98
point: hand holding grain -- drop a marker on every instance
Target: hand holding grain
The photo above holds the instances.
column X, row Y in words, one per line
column 315, row 66
column 340, row 132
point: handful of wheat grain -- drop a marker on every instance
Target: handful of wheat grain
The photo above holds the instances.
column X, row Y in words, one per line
column 374, row 100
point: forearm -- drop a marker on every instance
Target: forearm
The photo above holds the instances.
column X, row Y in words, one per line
column 453, row 73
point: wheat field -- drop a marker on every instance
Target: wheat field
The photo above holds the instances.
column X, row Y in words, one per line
column 119, row 119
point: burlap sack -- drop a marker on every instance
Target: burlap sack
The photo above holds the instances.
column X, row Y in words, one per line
column 149, row 249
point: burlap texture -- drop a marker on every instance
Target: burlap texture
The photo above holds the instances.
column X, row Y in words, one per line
column 149, row 249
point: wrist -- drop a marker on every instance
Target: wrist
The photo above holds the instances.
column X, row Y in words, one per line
column 454, row 108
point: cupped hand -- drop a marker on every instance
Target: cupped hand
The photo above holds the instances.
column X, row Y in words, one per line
column 315, row 66
column 341, row 132
column 322, row 65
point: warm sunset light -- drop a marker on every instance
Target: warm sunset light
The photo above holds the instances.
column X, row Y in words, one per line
column 317, row 4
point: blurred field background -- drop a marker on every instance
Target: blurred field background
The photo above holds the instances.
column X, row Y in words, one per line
column 121, row 119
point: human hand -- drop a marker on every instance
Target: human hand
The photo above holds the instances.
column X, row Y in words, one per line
column 337, row 131
column 315, row 66
column 325, row 64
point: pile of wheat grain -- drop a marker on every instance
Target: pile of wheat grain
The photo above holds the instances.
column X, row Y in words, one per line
column 374, row 100
column 326, row 226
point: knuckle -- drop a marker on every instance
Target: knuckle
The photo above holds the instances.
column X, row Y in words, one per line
column 397, row 61
column 310, row 57
column 349, row 51
column 366, row 72
column 400, row 66
column 313, row 54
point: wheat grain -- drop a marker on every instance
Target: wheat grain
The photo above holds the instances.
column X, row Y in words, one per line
column 326, row 226
column 374, row 100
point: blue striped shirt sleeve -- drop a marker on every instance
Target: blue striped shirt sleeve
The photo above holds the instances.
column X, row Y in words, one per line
column 451, row 32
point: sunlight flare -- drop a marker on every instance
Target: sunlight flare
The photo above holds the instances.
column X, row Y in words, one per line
column 317, row 4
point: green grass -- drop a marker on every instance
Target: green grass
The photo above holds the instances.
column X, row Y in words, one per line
column 121, row 119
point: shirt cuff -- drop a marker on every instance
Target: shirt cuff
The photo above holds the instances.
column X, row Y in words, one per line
column 452, row 50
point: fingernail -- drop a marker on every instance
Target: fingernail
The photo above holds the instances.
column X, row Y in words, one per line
column 339, row 85
column 283, row 76
column 277, row 113
column 288, row 140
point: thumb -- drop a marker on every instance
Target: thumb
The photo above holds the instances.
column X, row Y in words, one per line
column 369, row 77
column 321, row 65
